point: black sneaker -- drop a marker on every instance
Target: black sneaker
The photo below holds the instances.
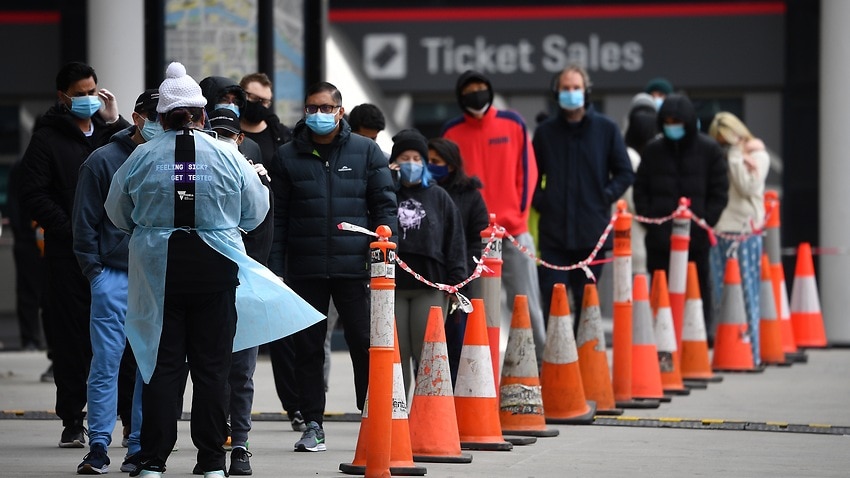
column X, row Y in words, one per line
column 297, row 422
column 131, row 462
column 73, row 436
column 148, row 469
column 313, row 438
column 240, row 463
column 95, row 463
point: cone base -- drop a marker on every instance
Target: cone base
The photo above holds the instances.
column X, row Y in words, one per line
column 462, row 458
column 545, row 433
column 797, row 357
column 662, row 399
column 486, row 446
column 610, row 411
column 521, row 441
column 585, row 418
column 839, row 344
column 757, row 369
column 638, row 403
column 712, row 379
column 351, row 469
column 698, row 384
column 677, row 391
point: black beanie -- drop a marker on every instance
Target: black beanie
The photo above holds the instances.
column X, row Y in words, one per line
column 409, row 139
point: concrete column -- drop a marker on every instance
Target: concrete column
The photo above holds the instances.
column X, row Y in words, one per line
column 117, row 48
column 834, row 168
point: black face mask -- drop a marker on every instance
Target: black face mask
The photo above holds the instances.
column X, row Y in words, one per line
column 255, row 112
column 476, row 99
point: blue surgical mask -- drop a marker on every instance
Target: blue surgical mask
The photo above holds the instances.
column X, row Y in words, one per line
column 658, row 100
column 438, row 172
column 228, row 106
column 674, row 132
column 411, row 173
column 571, row 99
column 84, row 107
column 150, row 129
column 321, row 123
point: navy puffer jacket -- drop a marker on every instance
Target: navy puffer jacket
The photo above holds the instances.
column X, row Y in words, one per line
column 313, row 195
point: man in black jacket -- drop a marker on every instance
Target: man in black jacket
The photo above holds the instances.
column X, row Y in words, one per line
column 682, row 162
column 324, row 176
column 258, row 119
column 583, row 168
column 83, row 119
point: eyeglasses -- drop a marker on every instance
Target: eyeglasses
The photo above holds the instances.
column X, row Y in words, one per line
column 313, row 109
column 256, row 99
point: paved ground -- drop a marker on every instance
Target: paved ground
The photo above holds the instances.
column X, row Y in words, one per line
column 812, row 395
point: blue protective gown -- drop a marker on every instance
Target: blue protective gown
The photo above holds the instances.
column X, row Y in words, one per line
column 228, row 196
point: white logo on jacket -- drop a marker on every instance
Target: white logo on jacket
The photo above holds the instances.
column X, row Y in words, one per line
column 410, row 215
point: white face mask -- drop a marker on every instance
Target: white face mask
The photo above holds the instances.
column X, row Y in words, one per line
column 228, row 140
column 478, row 112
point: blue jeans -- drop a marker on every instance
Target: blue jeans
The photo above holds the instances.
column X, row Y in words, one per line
column 749, row 261
column 106, row 326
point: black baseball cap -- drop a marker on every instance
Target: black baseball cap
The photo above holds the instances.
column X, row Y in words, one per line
column 146, row 103
column 225, row 119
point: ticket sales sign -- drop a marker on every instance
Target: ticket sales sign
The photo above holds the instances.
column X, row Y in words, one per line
column 520, row 48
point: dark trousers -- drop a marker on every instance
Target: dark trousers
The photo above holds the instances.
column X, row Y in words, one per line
column 352, row 300
column 575, row 280
column 126, row 385
column 67, row 326
column 198, row 329
column 656, row 259
column 282, row 357
column 29, row 288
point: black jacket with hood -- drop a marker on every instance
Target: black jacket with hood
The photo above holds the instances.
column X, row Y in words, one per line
column 313, row 195
column 50, row 168
column 693, row 167
column 213, row 88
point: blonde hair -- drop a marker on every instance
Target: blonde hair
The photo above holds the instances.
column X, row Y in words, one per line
column 727, row 128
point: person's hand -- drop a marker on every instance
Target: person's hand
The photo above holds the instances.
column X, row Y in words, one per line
column 109, row 110
column 260, row 169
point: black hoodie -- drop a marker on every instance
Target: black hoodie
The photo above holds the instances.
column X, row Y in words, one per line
column 467, row 77
column 693, row 167
column 50, row 167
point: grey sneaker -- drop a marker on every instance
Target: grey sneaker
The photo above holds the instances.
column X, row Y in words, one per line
column 313, row 438
column 131, row 462
column 73, row 436
column 297, row 422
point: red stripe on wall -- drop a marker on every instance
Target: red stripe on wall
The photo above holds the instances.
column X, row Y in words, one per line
column 28, row 18
column 550, row 13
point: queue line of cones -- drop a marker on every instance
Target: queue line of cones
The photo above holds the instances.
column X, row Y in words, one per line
column 574, row 377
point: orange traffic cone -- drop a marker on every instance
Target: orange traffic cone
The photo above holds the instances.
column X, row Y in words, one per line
column 401, row 454
column 646, row 375
column 770, row 334
column 433, row 421
column 563, row 392
column 696, row 366
column 592, row 357
column 732, row 350
column 789, row 345
column 476, row 403
column 806, row 317
column 665, row 337
column 520, row 396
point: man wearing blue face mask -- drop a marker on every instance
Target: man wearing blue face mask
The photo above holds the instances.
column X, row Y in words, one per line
column 324, row 176
column 583, row 168
column 224, row 93
column 681, row 162
column 83, row 119
column 102, row 251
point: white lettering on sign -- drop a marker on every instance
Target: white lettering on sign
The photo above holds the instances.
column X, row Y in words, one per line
column 443, row 55
column 594, row 55
column 446, row 57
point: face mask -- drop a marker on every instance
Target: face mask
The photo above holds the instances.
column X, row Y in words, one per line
column 150, row 129
column 411, row 173
column 228, row 140
column 674, row 132
column 228, row 106
column 438, row 172
column 322, row 123
column 571, row 99
column 255, row 112
column 84, row 107
column 658, row 102
column 476, row 101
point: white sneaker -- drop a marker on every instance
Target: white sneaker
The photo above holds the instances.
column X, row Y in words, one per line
column 213, row 474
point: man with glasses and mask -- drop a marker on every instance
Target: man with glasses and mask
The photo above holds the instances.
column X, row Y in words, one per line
column 324, row 176
column 259, row 122
column 83, row 119
column 224, row 93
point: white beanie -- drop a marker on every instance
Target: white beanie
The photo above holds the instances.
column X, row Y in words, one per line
column 179, row 89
